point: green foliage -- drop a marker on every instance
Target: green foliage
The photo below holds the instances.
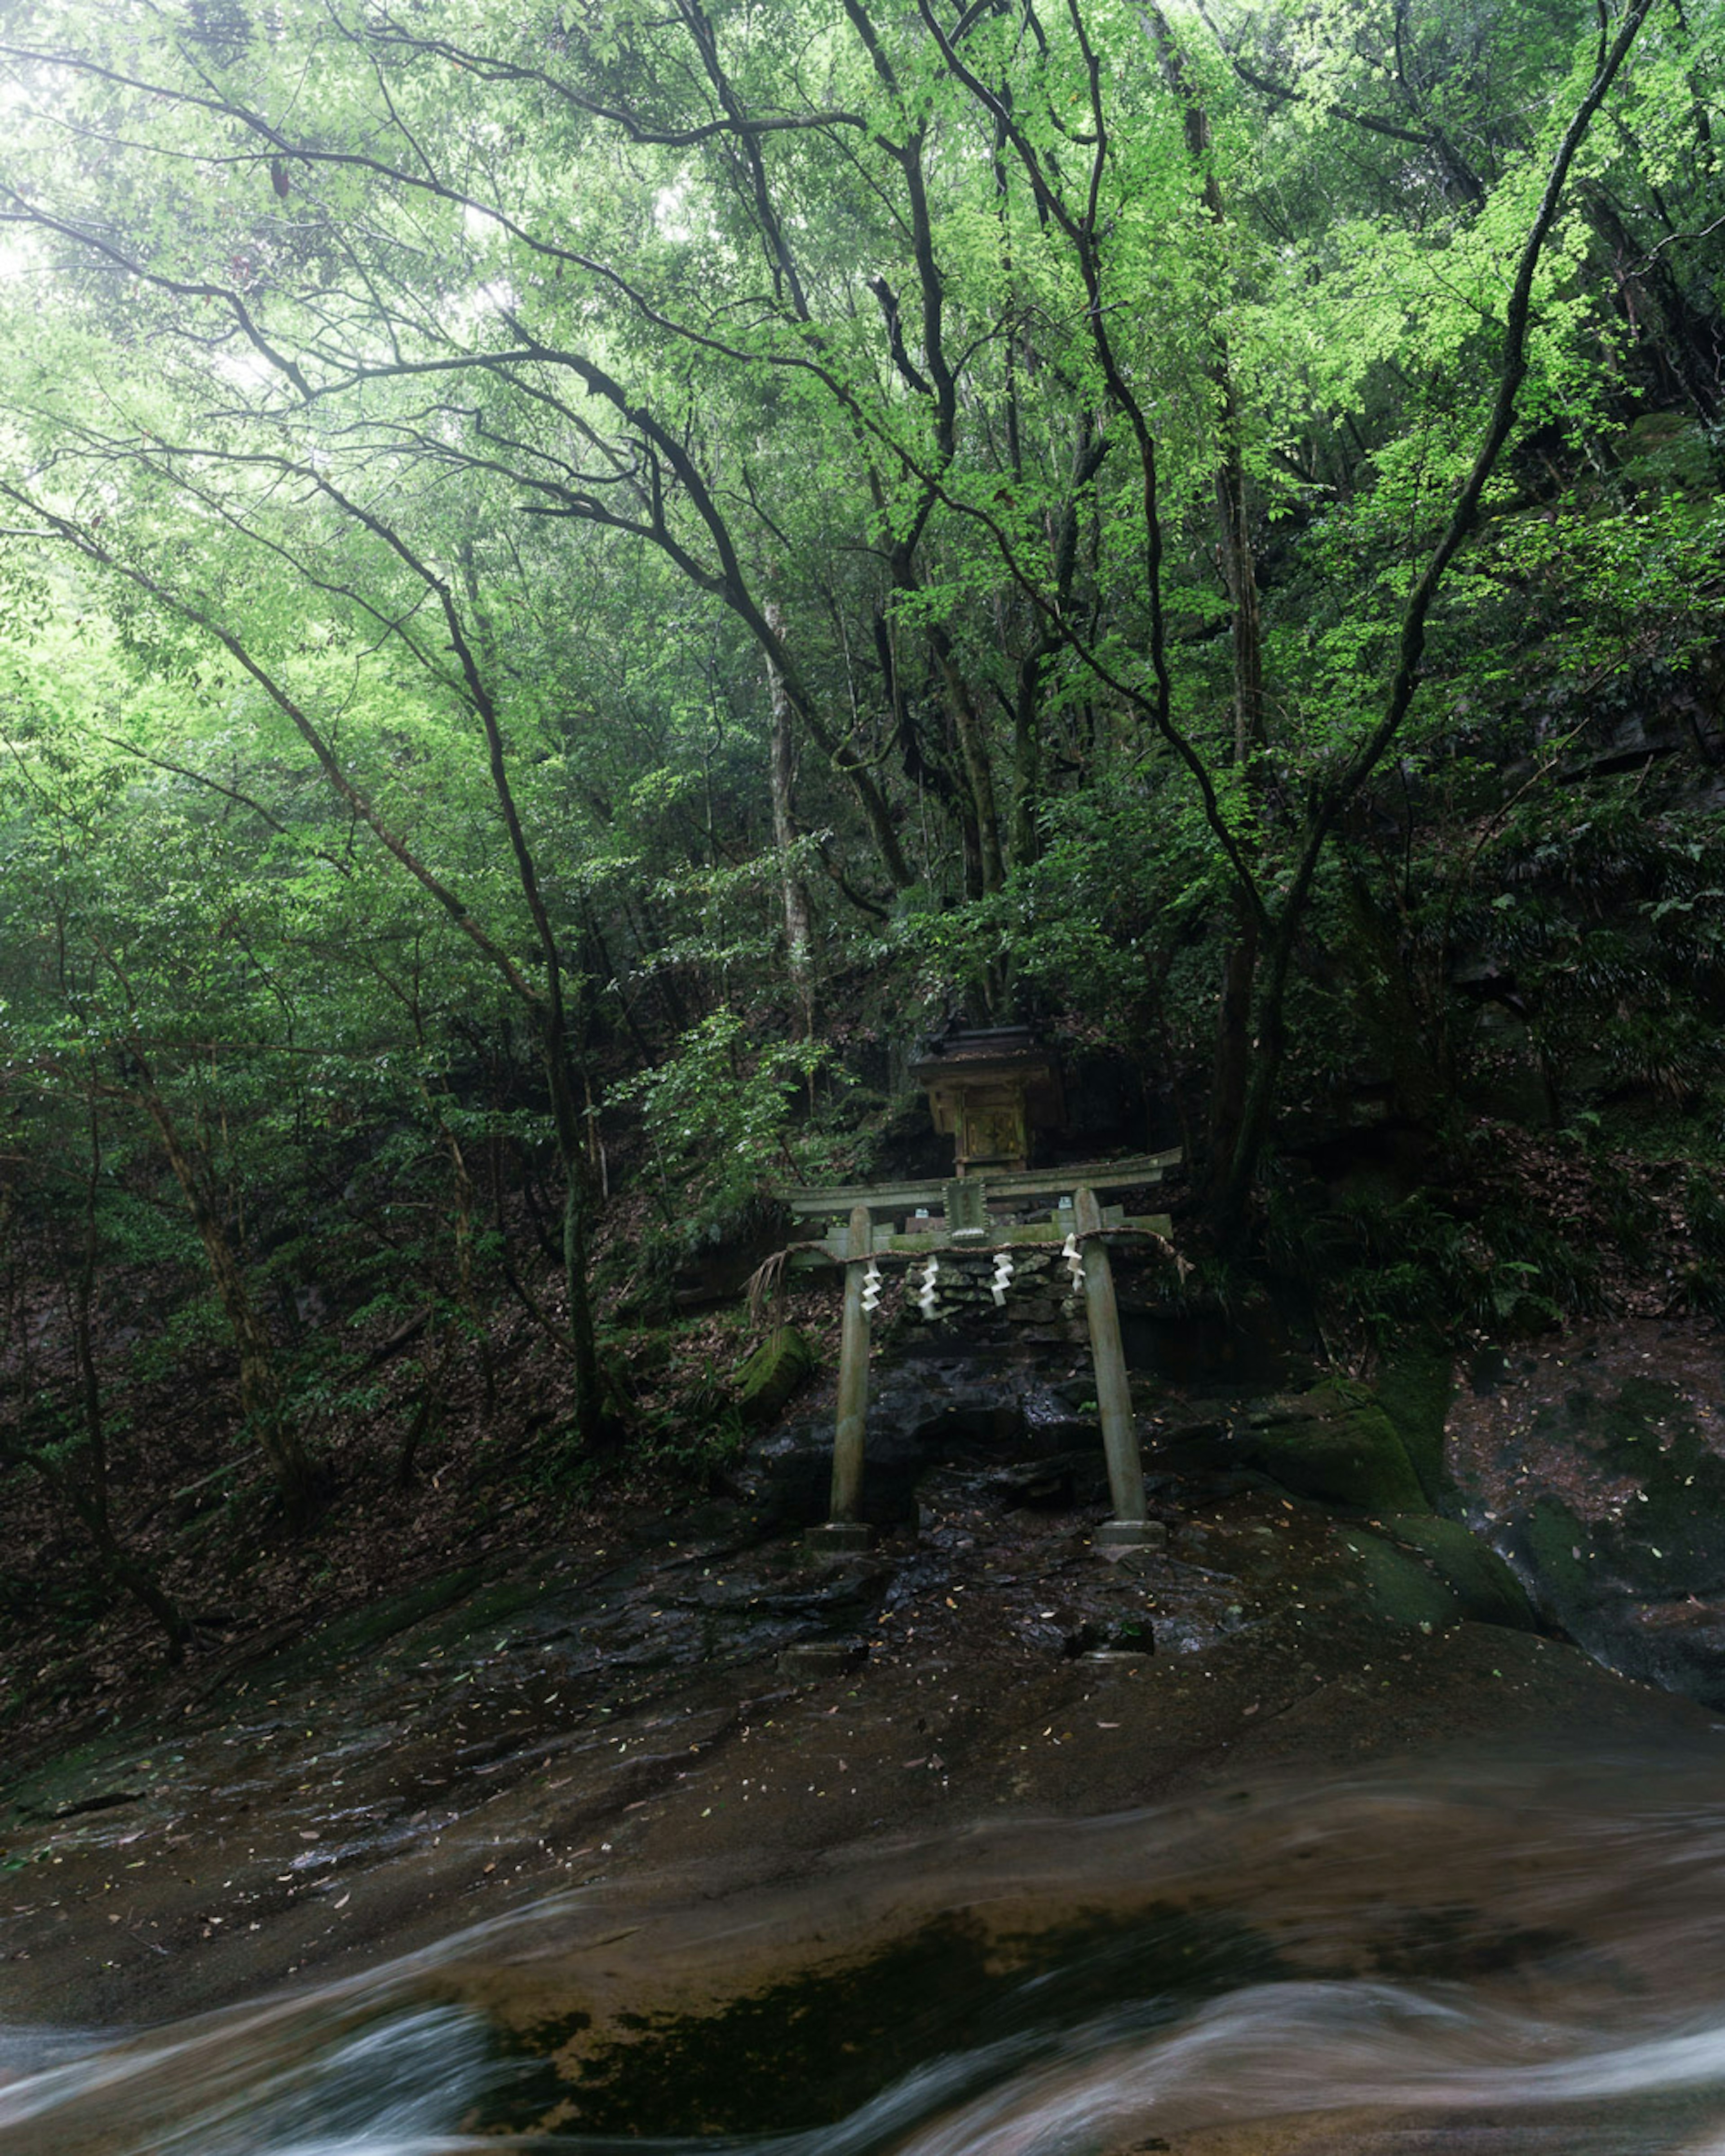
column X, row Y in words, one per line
column 727, row 1116
column 536, row 608
column 692, row 1441
column 1606, row 914
column 1386, row 1265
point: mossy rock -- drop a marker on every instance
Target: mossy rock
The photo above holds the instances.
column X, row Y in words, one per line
column 1563, row 1554
column 1668, row 1541
column 1337, row 1444
column 1485, row 1590
column 1397, row 1586
column 772, row 1374
column 1624, row 1599
column 1627, row 1429
column 1667, row 450
column 1415, row 1384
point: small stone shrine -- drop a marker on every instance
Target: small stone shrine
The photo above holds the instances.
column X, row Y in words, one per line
column 990, row 1092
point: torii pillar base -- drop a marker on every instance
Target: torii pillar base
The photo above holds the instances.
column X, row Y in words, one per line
column 839, row 1537
column 1129, row 1535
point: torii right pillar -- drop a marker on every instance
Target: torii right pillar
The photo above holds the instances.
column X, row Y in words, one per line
column 1130, row 1526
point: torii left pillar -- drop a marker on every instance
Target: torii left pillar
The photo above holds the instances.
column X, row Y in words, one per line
column 844, row 1530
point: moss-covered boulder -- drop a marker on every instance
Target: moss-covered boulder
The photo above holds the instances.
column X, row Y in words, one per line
column 1560, row 1552
column 1414, row 1384
column 1485, row 1590
column 1336, row 1443
column 772, row 1374
column 1419, row 1570
column 1396, row 1585
column 1665, row 1541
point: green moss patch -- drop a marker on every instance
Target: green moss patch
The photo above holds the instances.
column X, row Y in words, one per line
column 772, row 1374
column 1485, row 1591
column 1338, row 1445
column 1415, row 1383
column 1398, row 1587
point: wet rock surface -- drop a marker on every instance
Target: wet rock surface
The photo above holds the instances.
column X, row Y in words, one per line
column 1596, row 1467
column 703, row 1691
column 997, row 1410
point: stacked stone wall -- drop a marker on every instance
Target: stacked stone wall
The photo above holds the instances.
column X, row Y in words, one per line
column 1040, row 1309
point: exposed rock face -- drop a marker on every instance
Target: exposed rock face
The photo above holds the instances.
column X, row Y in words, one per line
column 1598, row 1467
column 1040, row 1308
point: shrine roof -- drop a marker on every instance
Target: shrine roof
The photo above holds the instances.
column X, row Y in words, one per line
column 1003, row 1052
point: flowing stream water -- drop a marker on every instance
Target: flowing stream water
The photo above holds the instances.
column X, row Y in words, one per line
column 1523, row 1957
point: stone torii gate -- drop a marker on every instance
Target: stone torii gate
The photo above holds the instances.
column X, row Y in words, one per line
column 1077, row 1224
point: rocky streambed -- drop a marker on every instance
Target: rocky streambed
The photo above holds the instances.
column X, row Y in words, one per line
column 699, row 1710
